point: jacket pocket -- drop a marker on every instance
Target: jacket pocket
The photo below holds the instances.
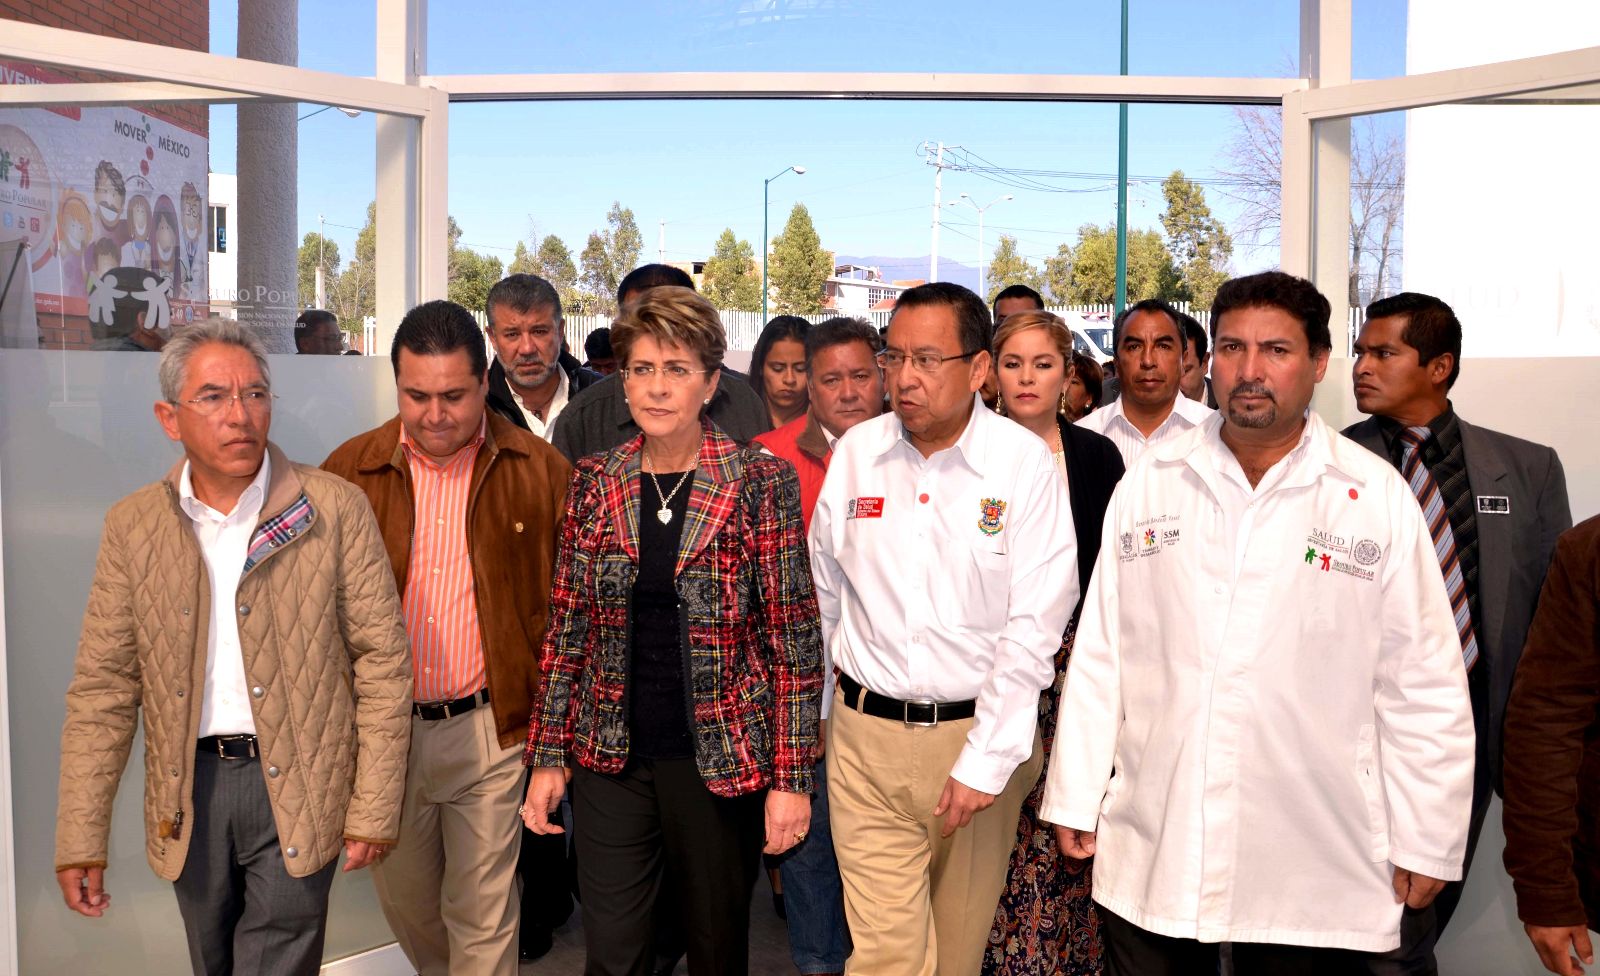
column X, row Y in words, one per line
column 1370, row 774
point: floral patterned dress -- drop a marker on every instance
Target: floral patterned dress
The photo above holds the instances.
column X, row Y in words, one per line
column 1045, row 924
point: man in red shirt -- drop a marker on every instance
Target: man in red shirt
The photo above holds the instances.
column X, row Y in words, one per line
column 846, row 387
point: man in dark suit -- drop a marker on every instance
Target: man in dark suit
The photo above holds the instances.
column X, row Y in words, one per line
column 1495, row 503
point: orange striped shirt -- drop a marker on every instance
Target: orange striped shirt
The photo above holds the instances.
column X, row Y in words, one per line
column 440, row 602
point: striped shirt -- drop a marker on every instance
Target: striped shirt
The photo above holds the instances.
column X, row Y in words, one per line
column 1113, row 423
column 440, row 602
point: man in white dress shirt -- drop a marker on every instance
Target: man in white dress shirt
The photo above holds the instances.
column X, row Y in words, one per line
column 944, row 557
column 1150, row 343
column 1265, row 737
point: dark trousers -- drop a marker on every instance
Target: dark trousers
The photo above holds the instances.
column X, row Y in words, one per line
column 547, row 878
column 1132, row 951
column 1420, row 928
column 242, row 912
column 654, row 831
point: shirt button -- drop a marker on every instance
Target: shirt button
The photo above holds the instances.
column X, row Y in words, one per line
column 923, row 498
column 916, row 638
column 1221, row 588
column 430, row 620
column 441, row 521
column 257, row 691
column 436, row 571
column 427, row 670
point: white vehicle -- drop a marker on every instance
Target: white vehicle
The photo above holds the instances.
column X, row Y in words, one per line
column 1091, row 334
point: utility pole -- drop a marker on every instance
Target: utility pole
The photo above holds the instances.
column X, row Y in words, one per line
column 1122, row 180
column 938, row 164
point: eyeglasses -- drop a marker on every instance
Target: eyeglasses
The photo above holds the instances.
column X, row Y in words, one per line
column 925, row 362
column 211, row 404
column 674, row 373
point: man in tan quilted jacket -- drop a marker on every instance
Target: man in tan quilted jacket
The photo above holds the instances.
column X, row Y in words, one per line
column 243, row 602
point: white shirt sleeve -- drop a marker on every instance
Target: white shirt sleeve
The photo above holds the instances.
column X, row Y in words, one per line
column 1043, row 560
column 829, row 579
column 1425, row 731
column 1090, row 715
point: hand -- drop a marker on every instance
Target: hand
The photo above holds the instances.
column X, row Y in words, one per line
column 84, row 890
column 546, row 786
column 359, row 854
column 822, row 741
column 958, row 803
column 788, row 816
column 1076, row 844
column 1416, row 890
column 1552, row 942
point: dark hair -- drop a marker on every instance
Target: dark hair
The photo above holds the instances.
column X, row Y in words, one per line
column 972, row 316
column 597, row 345
column 522, row 293
column 836, row 332
column 309, row 320
column 652, row 276
column 1148, row 305
column 1431, row 328
column 1017, row 291
column 1195, row 333
column 1090, row 375
column 110, row 174
column 1276, row 289
column 780, row 328
column 438, row 328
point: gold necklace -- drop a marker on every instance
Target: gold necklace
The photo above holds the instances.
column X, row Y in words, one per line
column 664, row 514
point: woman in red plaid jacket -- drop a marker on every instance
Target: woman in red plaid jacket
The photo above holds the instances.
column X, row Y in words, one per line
column 682, row 666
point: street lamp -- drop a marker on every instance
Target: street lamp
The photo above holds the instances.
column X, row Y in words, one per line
column 983, row 285
column 798, row 171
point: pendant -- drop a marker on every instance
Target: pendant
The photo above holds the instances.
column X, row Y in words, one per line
column 664, row 516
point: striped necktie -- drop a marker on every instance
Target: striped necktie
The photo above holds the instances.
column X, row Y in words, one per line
column 1444, row 539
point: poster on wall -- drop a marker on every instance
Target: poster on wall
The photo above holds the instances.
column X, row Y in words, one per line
column 109, row 205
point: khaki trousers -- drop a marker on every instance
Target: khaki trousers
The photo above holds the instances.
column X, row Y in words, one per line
column 447, row 888
column 918, row 904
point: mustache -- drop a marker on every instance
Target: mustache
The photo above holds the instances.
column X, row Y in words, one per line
column 1252, row 389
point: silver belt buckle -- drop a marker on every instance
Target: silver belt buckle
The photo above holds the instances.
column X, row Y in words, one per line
column 905, row 712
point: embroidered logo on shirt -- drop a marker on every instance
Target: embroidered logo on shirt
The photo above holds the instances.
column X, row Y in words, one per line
column 864, row 508
column 1325, row 561
column 1367, row 552
column 994, row 509
column 1127, row 545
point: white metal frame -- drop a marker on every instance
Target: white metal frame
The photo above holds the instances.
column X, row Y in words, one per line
column 412, row 152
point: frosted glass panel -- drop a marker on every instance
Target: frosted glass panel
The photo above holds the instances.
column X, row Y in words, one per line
column 77, row 433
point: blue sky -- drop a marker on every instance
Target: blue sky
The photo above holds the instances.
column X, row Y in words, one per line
column 519, row 171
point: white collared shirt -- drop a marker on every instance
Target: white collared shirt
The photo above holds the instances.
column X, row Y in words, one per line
column 1266, row 706
column 1111, row 421
column 224, row 544
column 950, row 577
column 542, row 428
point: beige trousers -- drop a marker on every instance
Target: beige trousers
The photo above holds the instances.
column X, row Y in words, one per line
column 917, row 904
column 448, row 887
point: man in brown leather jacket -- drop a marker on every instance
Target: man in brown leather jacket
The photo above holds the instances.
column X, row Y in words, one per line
column 242, row 603
column 468, row 504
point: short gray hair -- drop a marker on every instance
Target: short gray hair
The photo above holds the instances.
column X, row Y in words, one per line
column 176, row 353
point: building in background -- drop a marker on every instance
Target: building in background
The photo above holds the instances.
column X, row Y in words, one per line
column 855, row 289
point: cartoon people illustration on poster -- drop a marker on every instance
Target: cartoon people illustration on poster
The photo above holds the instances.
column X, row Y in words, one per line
column 73, row 226
column 110, row 195
column 192, row 259
column 136, row 252
column 164, row 240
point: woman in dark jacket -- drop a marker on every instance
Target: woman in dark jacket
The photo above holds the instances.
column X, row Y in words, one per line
column 682, row 665
column 1045, row 922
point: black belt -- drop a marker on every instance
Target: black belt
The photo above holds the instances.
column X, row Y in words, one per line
column 909, row 712
column 434, row 711
column 229, row 746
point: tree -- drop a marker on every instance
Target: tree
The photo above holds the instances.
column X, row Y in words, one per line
column 354, row 296
column 1151, row 272
column 608, row 256
column 1377, row 192
column 1008, row 268
column 732, row 278
column 471, row 276
column 554, row 264
column 522, row 261
column 313, row 246
column 799, row 265
column 1058, row 272
column 1200, row 245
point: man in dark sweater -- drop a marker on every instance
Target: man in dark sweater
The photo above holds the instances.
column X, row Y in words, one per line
column 533, row 376
column 598, row 420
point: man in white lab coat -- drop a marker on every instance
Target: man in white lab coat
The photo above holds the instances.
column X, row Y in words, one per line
column 1265, row 737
